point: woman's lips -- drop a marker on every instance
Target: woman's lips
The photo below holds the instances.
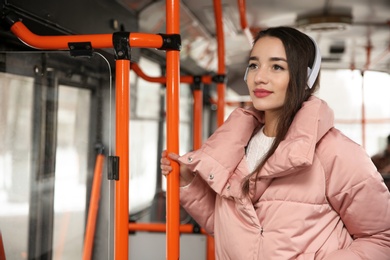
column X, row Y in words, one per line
column 260, row 93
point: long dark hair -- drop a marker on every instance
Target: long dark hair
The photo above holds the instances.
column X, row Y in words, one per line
column 300, row 51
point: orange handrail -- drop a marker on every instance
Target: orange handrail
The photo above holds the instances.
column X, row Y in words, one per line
column 242, row 11
column 140, row 73
column 122, row 151
column 162, row 227
column 243, row 21
column 2, row 251
column 207, row 79
column 221, row 61
column 210, row 248
column 172, row 88
column 93, row 208
column 98, row 41
column 197, row 117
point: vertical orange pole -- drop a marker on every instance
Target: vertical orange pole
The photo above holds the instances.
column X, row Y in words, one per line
column 173, row 81
column 242, row 11
column 221, row 61
column 197, row 114
column 93, row 208
column 2, row 251
column 210, row 248
column 122, row 151
column 220, row 92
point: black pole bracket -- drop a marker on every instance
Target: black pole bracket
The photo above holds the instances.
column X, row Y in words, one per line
column 196, row 229
column 8, row 19
column 80, row 49
column 219, row 78
column 171, row 42
column 113, row 167
column 99, row 148
column 120, row 41
column 197, row 83
column 197, row 79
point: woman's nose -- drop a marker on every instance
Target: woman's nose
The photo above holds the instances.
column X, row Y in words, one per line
column 261, row 76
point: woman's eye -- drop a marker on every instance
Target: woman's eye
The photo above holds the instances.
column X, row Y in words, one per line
column 252, row 66
column 277, row 67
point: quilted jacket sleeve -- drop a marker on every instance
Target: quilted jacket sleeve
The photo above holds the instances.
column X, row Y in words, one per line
column 214, row 163
column 198, row 199
column 357, row 192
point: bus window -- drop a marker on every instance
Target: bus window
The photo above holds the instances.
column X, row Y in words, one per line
column 345, row 91
column 71, row 171
column 16, row 97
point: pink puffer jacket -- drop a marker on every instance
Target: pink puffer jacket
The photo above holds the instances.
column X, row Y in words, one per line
column 318, row 197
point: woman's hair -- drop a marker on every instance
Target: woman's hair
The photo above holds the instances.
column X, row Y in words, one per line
column 300, row 51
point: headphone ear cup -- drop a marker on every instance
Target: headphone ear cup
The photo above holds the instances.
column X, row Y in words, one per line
column 313, row 72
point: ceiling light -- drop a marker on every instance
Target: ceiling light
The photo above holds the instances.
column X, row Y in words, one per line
column 325, row 21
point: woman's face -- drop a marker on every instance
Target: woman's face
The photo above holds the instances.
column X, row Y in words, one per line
column 268, row 75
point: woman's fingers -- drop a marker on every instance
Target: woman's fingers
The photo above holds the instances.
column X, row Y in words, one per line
column 165, row 170
column 174, row 156
column 164, row 153
column 165, row 163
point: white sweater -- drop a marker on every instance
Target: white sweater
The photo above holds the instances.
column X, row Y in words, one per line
column 258, row 146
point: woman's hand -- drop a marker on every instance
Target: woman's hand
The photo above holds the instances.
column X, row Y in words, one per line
column 186, row 176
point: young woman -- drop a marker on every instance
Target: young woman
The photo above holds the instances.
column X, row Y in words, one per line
column 278, row 181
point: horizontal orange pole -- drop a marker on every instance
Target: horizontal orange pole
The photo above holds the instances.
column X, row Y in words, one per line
column 98, row 41
column 145, row 40
column 207, row 79
column 140, row 73
column 58, row 42
column 161, row 227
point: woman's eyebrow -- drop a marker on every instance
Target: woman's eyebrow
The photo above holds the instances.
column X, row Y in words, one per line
column 277, row 59
column 254, row 58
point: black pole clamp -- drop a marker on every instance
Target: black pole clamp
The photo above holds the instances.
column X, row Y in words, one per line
column 8, row 19
column 120, row 41
column 113, row 167
column 197, row 83
column 196, row 229
column 171, row 42
column 219, row 78
column 77, row 49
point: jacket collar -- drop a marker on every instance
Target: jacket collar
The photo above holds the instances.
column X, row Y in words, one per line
column 310, row 124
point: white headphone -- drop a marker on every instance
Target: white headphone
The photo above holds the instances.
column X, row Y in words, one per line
column 312, row 73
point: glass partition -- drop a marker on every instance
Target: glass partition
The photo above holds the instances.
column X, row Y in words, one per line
column 51, row 120
column 71, row 172
column 55, row 111
column 16, row 94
